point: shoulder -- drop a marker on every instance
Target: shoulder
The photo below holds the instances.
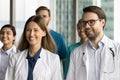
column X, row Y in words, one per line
column 74, row 45
column 111, row 43
column 78, row 51
column 47, row 55
column 19, row 55
column 55, row 34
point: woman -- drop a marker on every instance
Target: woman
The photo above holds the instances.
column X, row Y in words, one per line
column 37, row 60
column 7, row 37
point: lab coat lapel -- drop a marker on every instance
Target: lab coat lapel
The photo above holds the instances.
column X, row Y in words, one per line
column 41, row 69
column 86, row 60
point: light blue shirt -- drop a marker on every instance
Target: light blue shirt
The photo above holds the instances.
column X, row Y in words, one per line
column 4, row 59
column 94, row 60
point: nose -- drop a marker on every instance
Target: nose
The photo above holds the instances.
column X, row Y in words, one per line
column 86, row 25
column 31, row 32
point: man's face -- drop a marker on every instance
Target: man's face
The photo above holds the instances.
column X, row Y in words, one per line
column 93, row 25
column 45, row 15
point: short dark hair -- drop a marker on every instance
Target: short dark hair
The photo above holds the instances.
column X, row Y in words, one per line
column 11, row 27
column 43, row 8
column 95, row 9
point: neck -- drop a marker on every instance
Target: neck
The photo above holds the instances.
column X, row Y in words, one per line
column 48, row 29
column 96, row 40
column 84, row 40
column 6, row 47
column 33, row 50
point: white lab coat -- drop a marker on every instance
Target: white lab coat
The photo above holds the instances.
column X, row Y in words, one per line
column 47, row 67
column 110, row 66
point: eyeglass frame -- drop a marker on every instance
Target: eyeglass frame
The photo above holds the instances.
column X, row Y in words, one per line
column 89, row 22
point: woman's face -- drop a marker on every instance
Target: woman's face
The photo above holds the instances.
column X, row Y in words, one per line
column 7, row 37
column 34, row 34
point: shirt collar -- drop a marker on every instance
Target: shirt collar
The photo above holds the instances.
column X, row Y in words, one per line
column 9, row 51
column 37, row 55
column 102, row 42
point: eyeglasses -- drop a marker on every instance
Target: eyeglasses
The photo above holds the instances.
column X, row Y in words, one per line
column 90, row 22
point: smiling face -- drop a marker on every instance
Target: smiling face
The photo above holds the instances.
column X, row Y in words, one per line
column 7, row 36
column 95, row 30
column 34, row 34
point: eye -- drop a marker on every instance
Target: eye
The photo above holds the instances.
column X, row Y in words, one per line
column 36, row 30
column 44, row 16
column 91, row 22
column 9, row 33
column 84, row 22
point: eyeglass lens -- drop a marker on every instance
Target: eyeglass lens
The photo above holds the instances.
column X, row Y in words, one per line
column 90, row 22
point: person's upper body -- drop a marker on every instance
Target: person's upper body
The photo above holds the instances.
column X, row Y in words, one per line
column 99, row 58
column 7, row 34
column 83, row 39
column 37, row 59
column 44, row 12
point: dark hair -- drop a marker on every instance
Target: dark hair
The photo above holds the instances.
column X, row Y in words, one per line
column 11, row 27
column 42, row 8
column 95, row 9
column 47, row 41
column 79, row 24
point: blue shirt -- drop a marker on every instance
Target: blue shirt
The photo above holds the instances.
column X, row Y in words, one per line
column 70, row 49
column 60, row 43
column 4, row 60
column 94, row 59
column 31, row 63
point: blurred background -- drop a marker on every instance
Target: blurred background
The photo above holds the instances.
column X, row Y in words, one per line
column 65, row 15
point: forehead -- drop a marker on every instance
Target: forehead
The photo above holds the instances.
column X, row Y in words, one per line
column 6, row 29
column 43, row 12
column 89, row 15
column 32, row 25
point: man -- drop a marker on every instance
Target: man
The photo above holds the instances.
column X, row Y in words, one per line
column 83, row 39
column 44, row 12
column 99, row 58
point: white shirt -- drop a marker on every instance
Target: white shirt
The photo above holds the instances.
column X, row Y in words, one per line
column 4, row 57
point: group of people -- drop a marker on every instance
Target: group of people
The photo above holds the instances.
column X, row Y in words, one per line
column 41, row 50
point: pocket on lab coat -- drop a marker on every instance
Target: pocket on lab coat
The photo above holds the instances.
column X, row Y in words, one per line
column 111, row 70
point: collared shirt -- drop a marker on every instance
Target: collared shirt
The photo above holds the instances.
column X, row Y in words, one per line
column 4, row 59
column 94, row 55
column 31, row 63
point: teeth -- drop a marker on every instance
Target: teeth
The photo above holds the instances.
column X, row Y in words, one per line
column 31, row 38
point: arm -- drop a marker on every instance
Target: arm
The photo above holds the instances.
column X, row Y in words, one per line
column 62, row 51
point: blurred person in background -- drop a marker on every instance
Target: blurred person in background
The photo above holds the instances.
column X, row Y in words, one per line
column 7, row 37
column 83, row 39
column 61, row 49
column 44, row 12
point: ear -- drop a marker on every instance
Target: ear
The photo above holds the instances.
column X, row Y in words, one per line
column 14, row 37
column 103, row 22
column 43, row 33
